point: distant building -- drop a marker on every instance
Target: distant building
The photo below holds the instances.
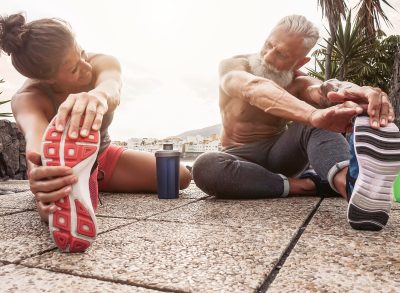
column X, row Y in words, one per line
column 213, row 146
column 191, row 144
column 120, row 143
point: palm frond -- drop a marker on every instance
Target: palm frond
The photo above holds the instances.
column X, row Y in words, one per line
column 369, row 14
column 3, row 102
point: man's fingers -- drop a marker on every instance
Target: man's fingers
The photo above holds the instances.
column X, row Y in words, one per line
column 350, row 112
column 386, row 109
column 346, row 95
column 47, row 197
column 63, row 111
column 383, row 119
column 374, row 109
column 391, row 114
column 52, row 184
column 335, row 97
column 350, row 105
column 90, row 115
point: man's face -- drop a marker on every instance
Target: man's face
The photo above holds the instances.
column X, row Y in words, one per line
column 282, row 50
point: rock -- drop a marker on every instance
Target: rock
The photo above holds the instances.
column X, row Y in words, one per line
column 12, row 152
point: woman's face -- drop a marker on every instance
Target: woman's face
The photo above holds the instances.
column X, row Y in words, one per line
column 74, row 70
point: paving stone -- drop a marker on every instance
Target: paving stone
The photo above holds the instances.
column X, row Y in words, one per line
column 192, row 192
column 327, row 263
column 24, row 234
column 22, row 279
column 273, row 213
column 5, row 211
column 14, row 186
column 22, row 200
column 331, row 218
column 332, row 257
column 177, row 256
column 128, row 205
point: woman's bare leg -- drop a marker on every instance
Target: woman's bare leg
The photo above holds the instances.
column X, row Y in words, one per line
column 136, row 172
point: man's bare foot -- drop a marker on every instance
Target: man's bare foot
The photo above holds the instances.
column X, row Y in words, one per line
column 340, row 182
column 302, row 186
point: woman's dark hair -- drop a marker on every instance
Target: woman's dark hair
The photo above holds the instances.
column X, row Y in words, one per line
column 37, row 48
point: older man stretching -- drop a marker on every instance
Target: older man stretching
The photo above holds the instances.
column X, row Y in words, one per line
column 277, row 121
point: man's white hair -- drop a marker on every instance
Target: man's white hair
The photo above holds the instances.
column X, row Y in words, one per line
column 300, row 25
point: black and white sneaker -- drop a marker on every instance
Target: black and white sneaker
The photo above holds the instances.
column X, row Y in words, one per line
column 378, row 156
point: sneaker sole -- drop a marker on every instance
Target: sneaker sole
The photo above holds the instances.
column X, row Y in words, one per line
column 73, row 226
column 378, row 156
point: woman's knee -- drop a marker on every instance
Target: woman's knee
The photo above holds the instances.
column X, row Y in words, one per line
column 184, row 177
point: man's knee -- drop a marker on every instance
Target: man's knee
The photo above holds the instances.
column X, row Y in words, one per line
column 205, row 165
column 205, row 171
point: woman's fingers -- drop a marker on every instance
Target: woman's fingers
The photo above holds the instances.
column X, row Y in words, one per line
column 63, row 112
column 53, row 196
column 52, row 184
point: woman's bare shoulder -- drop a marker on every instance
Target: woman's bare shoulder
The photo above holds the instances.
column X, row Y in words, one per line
column 102, row 58
column 32, row 95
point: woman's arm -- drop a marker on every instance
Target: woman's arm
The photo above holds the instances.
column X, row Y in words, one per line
column 47, row 183
column 30, row 110
column 94, row 104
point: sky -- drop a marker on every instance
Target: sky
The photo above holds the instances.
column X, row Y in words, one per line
column 169, row 51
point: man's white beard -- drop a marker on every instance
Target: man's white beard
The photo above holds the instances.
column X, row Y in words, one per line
column 260, row 68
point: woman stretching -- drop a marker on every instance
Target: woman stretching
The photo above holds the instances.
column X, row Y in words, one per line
column 64, row 110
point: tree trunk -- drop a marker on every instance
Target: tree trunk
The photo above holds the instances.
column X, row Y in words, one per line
column 394, row 94
column 328, row 60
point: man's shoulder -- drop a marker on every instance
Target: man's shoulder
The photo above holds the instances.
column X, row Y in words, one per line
column 243, row 58
column 237, row 62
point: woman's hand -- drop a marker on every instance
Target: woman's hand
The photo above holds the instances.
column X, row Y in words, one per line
column 48, row 184
column 90, row 107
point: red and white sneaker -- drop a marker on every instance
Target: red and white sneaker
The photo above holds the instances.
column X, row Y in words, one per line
column 73, row 226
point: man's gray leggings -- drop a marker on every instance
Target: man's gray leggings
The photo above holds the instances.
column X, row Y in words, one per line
column 260, row 169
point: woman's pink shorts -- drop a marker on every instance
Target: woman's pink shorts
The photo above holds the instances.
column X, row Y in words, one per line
column 107, row 161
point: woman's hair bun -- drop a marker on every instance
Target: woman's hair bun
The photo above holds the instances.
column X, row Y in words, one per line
column 12, row 32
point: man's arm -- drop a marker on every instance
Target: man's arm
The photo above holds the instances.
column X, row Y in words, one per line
column 262, row 93
column 265, row 94
column 333, row 91
column 309, row 90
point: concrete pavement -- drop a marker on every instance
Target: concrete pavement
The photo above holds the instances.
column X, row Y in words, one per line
column 200, row 244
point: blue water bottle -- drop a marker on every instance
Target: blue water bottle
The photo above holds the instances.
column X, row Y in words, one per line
column 167, row 163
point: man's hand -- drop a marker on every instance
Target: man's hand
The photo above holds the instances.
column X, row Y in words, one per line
column 374, row 100
column 48, row 184
column 336, row 118
column 90, row 106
